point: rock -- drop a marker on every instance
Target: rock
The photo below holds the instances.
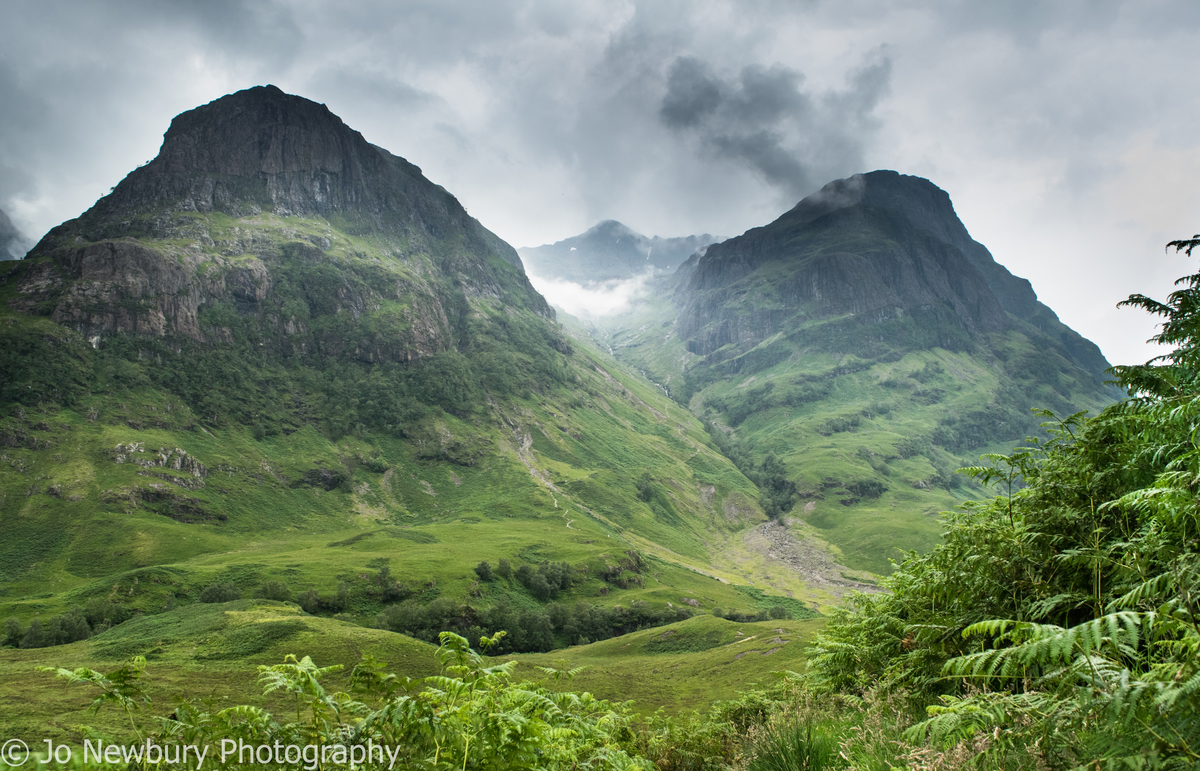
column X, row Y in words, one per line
column 223, row 218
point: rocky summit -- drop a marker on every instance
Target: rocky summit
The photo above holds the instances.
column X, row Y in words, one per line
column 877, row 247
column 247, row 188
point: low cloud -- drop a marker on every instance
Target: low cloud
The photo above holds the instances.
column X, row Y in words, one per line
column 595, row 299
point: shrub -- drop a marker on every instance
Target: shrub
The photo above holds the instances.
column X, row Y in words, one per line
column 221, row 592
column 275, row 590
column 13, row 632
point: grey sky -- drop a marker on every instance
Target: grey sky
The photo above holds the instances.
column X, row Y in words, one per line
column 1064, row 132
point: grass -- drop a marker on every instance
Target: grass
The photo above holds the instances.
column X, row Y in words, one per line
column 211, row 652
column 904, row 420
column 526, row 478
column 683, row 666
column 204, row 651
column 432, row 518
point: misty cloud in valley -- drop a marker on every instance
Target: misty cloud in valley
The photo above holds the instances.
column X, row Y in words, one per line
column 593, row 299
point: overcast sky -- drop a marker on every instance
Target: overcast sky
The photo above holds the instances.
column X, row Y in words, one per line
column 1065, row 132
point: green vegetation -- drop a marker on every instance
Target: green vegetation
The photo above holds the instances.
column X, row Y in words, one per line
column 1057, row 622
column 471, row 715
column 855, row 426
column 281, row 465
column 477, row 714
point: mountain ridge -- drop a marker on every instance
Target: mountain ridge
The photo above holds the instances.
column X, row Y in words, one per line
column 203, row 383
column 611, row 251
column 848, row 358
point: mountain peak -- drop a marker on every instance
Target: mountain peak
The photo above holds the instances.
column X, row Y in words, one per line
column 612, row 228
column 609, row 251
column 293, row 185
column 878, row 245
column 261, row 130
column 264, row 151
column 921, row 201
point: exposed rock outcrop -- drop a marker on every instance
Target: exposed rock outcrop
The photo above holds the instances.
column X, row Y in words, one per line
column 875, row 246
column 269, row 206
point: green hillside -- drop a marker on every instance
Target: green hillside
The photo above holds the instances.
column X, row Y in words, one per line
column 849, row 359
column 297, row 371
column 211, row 651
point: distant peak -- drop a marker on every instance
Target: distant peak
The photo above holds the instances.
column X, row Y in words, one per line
column 611, row 227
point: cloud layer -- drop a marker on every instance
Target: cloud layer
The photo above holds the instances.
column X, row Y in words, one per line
column 595, row 299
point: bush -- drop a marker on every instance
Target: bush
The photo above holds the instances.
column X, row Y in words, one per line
column 275, row 590
column 221, row 592
column 645, row 488
column 13, row 632
column 310, row 602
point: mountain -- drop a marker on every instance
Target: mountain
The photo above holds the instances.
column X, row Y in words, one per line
column 610, row 251
column 261, row 176
column 876, row 245
column 13, row 243
column 277, row 361
column 854, row 352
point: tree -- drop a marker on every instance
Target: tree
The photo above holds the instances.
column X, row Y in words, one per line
column 13, row 632
column 645, row 488
column 221, row 592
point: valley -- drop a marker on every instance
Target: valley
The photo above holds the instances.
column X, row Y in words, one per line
column 279, row 394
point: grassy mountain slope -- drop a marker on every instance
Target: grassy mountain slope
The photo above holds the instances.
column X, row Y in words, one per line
column 277, row 362
column 866, row 354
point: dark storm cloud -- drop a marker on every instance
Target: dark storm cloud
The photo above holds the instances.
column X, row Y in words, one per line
column 795, row 139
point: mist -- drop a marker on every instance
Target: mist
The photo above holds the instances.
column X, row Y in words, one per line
column 595, row 299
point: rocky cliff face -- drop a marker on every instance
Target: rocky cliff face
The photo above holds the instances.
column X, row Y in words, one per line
column 611, row 251
column 269, row 205
column 875, row 246
column 929, row 208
